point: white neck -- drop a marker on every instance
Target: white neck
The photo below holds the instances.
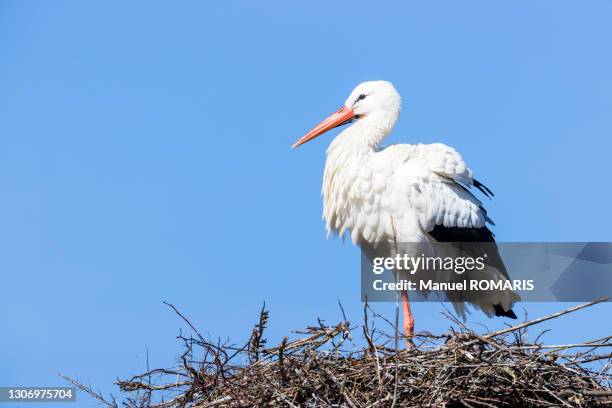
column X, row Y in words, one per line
column 366, row 134
column 346, row 155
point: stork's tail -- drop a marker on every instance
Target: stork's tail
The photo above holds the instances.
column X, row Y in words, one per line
column 499, row 311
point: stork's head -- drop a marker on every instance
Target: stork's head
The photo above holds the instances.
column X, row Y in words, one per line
column 375, row 102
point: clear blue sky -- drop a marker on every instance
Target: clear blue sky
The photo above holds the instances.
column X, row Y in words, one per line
column 144, row 157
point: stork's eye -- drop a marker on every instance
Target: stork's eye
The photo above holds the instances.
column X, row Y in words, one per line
column 360, row 97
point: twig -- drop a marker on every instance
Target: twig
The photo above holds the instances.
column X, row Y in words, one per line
column 543, row 319
column 185, row 320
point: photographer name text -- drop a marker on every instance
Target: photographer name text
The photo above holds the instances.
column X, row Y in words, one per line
column 472, row 284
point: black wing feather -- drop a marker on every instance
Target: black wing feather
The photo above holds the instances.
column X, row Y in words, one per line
column 483, row 189
column 476, row 235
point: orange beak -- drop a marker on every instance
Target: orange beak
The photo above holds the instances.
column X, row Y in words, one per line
column 338, row 118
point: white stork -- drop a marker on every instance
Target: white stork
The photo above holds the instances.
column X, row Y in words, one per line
column 402, row 192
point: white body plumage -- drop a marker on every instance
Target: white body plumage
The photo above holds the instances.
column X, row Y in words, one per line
column 398, row 193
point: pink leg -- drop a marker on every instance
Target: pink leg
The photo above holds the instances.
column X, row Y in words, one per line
column 408, row 320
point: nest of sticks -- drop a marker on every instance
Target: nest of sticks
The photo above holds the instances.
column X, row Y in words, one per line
column 362, row 366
